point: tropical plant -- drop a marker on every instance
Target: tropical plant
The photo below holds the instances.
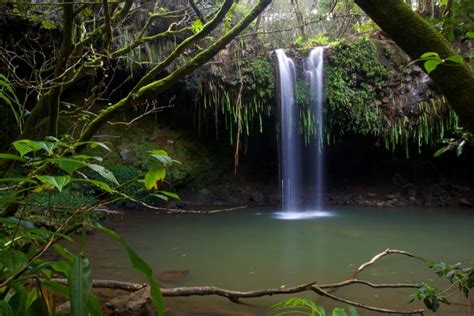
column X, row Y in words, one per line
column 28, row 281
column 300, row 306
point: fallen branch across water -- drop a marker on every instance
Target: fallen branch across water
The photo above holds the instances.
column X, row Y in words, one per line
column 141, row 292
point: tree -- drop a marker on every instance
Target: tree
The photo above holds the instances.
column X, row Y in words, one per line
column 415, row 36
column 93, row 45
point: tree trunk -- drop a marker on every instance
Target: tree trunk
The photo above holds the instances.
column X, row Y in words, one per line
column 415, row 36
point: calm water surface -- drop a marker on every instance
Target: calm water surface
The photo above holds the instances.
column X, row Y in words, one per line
column 254, row 249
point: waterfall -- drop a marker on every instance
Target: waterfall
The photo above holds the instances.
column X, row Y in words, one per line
column 314, row 72
column 290, row 180
column 293, row 171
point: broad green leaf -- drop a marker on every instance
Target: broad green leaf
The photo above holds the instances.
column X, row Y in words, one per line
column 352, row 310
column 101, row 185
column 161, row 156
column 429, row 55
column 12, row 261
column 61, row 267
column 69, row 165
column 5, row 309
column 19, row 300
column 11, row 157
column 456, row 59
column 106, row 174
column 63, row 252
column 170, row 194
column 25, row 146
column 93, row 306
column 47, row 146
column 80, row 285
column 139, row 265
column 431, row 65
column 56, row 288
column 59, row 182
column 161, row 196
column 155, row 174
column 339, row 312
column 470, row 35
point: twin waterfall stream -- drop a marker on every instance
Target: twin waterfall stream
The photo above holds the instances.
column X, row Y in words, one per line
column 299, row 176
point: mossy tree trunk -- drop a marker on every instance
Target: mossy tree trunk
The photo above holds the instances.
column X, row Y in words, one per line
column 415, row 36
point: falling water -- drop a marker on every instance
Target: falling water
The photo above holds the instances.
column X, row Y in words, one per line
column 290, row 180
column 291, row 140
column 314, row 72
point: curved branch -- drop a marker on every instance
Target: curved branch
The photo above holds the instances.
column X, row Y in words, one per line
column 166, row 82
column 379, row 256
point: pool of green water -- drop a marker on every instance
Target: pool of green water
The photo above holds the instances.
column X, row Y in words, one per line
column 254, row 249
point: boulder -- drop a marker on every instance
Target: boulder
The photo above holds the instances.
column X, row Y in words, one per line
column 256, row 197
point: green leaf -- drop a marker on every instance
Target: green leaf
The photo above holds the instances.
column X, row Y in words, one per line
column 470, row 35
column 106, row 174
column 170, row 194
column 155, row 174
column 59, row 182
column 352, row 310
column 456, row 59
column 56, row 288
column 431, row 65
column 11, row 157
column 5, row 309
column 69, row 165
column 92, row 145
column 63, row 252
column 93, row 306
column 139, row 265
column 442, row 150
column 339, row 312
column 101, row 185
column 61, row 267
column 12, row 261
column 162, row 156
column 25, row 146
column 429, row 55
column 80, row 285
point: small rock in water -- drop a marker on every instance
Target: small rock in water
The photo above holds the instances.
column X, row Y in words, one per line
column 256, row 197
column 371, row 194
column 411, row 192
column 390, row 196
column 180, row 204
column 173, row 275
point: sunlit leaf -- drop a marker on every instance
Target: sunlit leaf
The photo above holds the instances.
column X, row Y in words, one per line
column 431, row 65
column 170, row 194
column 25, row 146
column 59, row 182
column 106, row 174
column 456, row 59
column 153, row 176
column 429, row 55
